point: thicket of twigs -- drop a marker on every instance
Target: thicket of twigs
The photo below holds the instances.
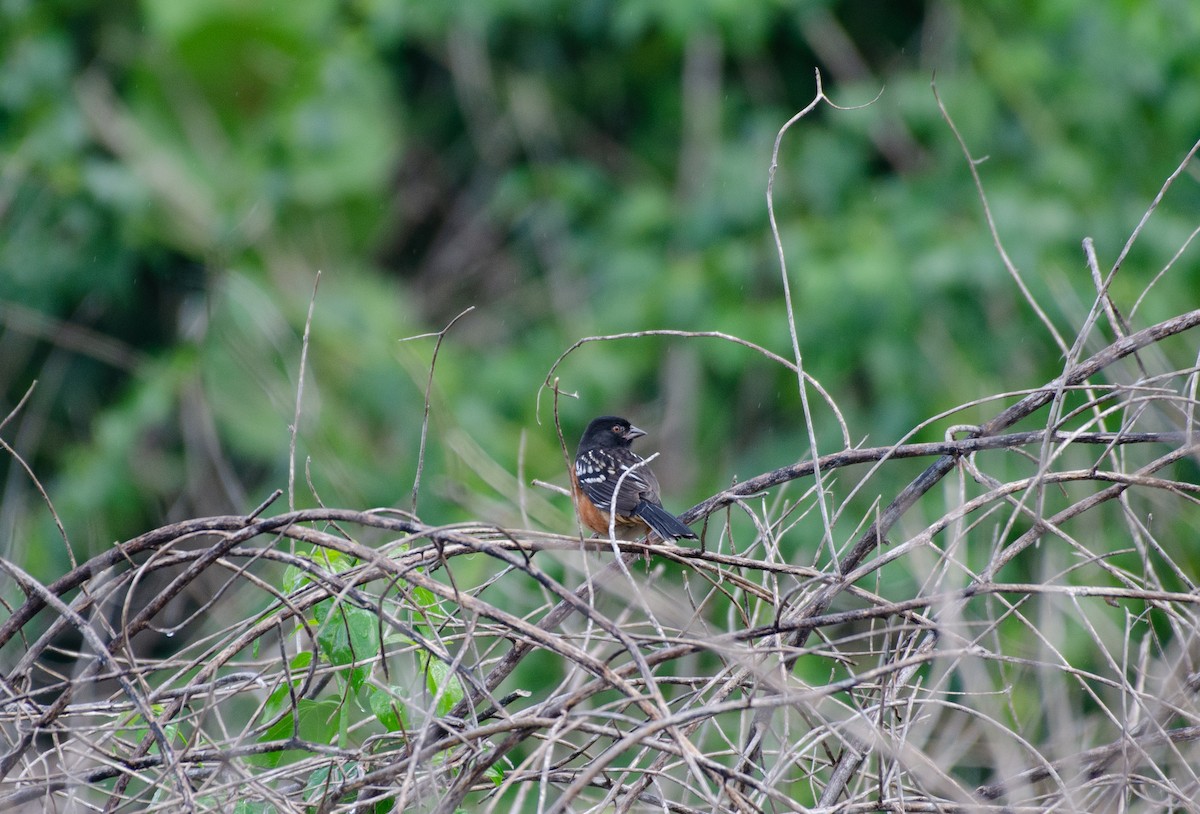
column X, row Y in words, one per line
column 1014, row 630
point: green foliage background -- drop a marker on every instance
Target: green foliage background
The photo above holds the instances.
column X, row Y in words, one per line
column 175, row 172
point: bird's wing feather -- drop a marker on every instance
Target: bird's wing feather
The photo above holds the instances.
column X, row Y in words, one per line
column 599, row 472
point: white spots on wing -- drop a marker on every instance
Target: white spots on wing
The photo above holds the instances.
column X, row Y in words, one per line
column 589, row 470
column 592, row 468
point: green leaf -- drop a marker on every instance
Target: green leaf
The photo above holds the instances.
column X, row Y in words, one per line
column 317, row 722
column 348, row 636
column 439, row 679
column 386, row 709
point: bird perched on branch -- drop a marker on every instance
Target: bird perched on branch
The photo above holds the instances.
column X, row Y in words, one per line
column 605, row 466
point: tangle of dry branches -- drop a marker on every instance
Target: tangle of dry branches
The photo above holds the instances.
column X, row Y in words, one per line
column 384, row 661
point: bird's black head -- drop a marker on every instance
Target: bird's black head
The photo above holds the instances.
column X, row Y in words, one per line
column 609, row 431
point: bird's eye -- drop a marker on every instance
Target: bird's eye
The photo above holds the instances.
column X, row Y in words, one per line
column 618, row 429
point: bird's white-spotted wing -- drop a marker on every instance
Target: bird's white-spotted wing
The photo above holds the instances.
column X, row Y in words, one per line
column 599, row 472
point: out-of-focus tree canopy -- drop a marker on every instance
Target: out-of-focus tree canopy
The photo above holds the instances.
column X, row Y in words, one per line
column 175, row 172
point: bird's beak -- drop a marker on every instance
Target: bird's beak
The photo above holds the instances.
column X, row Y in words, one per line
column 634, row 432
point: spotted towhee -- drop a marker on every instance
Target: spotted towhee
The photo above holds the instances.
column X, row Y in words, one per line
column 604, row 466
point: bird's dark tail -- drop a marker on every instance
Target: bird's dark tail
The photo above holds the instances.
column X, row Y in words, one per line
column 665, row 524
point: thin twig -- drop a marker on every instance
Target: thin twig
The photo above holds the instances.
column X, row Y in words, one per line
column 428, row 392
column 294, row 430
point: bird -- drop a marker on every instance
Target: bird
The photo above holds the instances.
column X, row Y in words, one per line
column 604, row 465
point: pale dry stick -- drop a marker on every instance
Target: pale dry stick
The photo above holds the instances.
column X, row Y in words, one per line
column 20, row 405
column 151, row 541
column 322, row 586
column 909, row 608
column 1102, row 303
column 956, row 449
column 203, row 559
column 103, row 657
column 1162, row 192
column 971, row 672
column 142, row 619
column 550, row 714
column 81, row 605
column 1093, row 760
column 774, row 357
column 699, row 764
column 1153, row 700
column 1006, row 490
column 1150, row 544
column 789, row 308
column 1125, row 719
column 95, row 594
column 635, row 790
column 476, row 768
column 972, row 166
column 612, row 538
column 546, row 716
column 518, row 626
column 1116, row 322
column 428, row 391
column 41, row 490
column 917, row 641
column 904, row 450
column 1176, row 692
column 1139, row 397
column 1146, row 545
column 1119, row 325
column 1119, row 485
column 1026, row 406
column 805, row 696
column 1190, row 416
column 847, row 766
column 1065, row 443
column 1135, row 530
column 735, row 680
column 98, row 565
column 1005, row 729
column 294, row 430
column 1162, row 273
column 878, row 463
column 543, row 786
column 1085, row 679
column 218, row 654
column 959, row 449
column 448, row 728
column 908, row 497
column 861, row 735
column 1142, row 671
column 522, row 491
column 37, row 484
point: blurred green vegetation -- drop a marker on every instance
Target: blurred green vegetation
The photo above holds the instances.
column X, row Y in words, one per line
column 175, row 172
